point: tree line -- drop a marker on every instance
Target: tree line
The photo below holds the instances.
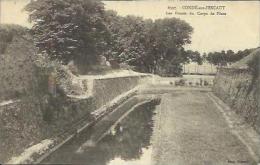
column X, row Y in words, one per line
column 82, row 30
column 225, row 58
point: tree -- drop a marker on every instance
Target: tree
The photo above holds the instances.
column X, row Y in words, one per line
column 167, row 38
column 193, row 56
column 152, row 47
column 128, row 35
column 7, row 33
column 80, row 30
column 223, row 58
column 69, row 29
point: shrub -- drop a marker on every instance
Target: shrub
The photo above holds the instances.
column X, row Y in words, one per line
column 7, row 33
column 206, row 83
column 254, row 66
column 181, row 82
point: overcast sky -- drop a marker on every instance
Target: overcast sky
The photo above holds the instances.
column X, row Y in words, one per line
column 239, row 30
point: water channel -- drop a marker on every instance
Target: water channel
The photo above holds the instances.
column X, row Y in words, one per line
column 126, row 141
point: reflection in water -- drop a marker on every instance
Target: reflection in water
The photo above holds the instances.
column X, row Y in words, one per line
column 126, row 143
column 145, row 159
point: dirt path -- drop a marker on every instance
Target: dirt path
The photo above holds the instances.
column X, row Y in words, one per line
column 190, row 130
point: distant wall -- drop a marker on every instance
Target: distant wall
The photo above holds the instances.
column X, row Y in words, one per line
column 104, row 90
column 194, row 68
column 240, row 90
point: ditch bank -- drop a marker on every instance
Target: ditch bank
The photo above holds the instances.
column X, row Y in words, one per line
column 26, row 134
column 239, row 88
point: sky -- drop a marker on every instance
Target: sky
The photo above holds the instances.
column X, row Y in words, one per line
column 238, row 30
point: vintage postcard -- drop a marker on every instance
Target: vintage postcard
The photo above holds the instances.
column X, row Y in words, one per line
column 142, row 82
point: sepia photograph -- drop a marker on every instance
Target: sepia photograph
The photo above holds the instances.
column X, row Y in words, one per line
column 134, row 82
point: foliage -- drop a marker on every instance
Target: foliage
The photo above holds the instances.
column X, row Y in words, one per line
column 254, row 67
column 81, row 30
column 165, row 43
column 224, row 58
column 7, row 32
column 254, row 64
column 193, row 56
column 152, row 47
column 127, row 38
column 69, row 29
